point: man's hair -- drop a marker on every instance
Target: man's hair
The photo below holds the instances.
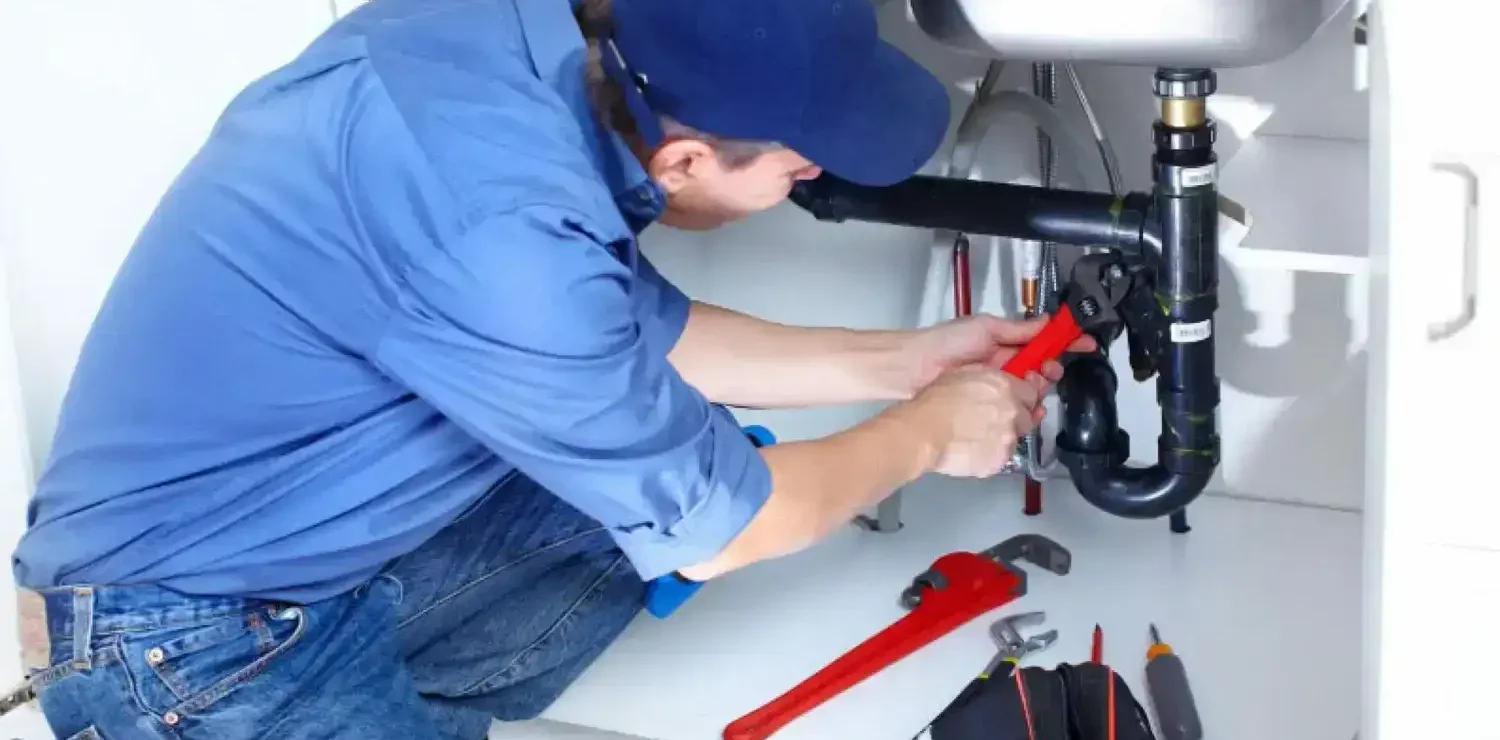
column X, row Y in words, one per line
column 609, row 99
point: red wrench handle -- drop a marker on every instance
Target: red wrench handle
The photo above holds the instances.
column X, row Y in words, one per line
column 1060, row 331
column 971, row 585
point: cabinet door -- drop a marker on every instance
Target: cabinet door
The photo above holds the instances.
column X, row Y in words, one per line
column 1433, row 501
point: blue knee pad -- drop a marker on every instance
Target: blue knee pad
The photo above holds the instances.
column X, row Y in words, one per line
column 668, row 592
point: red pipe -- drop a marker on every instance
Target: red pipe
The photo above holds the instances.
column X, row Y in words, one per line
column 963, row 298
column 1033, row 504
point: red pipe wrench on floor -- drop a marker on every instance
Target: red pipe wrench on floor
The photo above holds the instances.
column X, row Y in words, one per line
column 958, row 588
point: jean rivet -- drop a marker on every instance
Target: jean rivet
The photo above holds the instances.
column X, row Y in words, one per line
column 155, row 656
column 171, row 718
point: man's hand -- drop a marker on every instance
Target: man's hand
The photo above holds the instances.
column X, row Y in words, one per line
column 974, row 416
column 965, row 424
column 981, row 338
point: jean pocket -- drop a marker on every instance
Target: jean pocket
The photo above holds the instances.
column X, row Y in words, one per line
column 187, row 669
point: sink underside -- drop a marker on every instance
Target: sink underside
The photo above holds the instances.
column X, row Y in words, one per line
column 1173, row 33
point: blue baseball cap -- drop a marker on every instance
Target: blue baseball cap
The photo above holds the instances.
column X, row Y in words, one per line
column 812, row 75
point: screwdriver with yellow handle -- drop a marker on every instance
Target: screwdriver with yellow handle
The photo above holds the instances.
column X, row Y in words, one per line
column 1167, row 684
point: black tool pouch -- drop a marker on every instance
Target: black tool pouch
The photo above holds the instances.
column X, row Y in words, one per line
column 1069, row 702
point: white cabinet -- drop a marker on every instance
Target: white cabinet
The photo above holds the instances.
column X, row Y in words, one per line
column 1432, row 515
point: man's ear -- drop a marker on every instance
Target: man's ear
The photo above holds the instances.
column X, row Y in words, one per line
column 677, row 162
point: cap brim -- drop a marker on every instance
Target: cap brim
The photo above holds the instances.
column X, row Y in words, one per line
column 888, row 125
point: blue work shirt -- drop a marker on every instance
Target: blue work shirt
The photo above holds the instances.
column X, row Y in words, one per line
column 401, row 267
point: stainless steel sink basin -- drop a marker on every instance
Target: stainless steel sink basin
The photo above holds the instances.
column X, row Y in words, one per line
column 1177, row 33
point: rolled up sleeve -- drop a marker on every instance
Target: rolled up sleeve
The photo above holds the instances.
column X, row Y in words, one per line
column 663, row 307
column 545, row 345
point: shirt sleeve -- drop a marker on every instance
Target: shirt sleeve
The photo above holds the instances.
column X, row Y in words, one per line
column 528, row 333
column 663, row 307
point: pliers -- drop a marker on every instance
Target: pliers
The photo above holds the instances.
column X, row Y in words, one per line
column 1012, row 646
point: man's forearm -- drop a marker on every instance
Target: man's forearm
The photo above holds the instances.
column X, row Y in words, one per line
column 739, row 360
column 821, row 484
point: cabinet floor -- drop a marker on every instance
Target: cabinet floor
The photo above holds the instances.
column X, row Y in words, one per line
column 546, row 730
column 1261, row 600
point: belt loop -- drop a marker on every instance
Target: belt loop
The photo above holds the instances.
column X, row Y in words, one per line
column 83, row 628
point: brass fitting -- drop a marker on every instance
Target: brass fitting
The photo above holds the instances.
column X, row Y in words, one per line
column 1028, row 295
column 1184, row 112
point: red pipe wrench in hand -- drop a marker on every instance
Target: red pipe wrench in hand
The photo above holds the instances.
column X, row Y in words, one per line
column 1090, row 304
column 1098, row 285
column 959, row 587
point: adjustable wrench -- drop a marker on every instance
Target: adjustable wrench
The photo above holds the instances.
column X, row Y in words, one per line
column 1090, row 303
column 956, row 589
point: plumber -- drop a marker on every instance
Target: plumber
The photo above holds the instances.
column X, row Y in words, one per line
column 385, row 419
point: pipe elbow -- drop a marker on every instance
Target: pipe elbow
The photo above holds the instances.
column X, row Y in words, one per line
column 1094, row 450
column 1134, row 493
column 1087, row 394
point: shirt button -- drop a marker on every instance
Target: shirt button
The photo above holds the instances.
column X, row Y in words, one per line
column 171, row 718
column 155, row 656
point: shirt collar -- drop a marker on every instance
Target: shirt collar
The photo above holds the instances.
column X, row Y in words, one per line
column 558, row 52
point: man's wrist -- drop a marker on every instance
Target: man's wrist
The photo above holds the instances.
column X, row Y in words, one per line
column 889, row 364
column 914, row 434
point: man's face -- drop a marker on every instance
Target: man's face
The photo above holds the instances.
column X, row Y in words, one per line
column 706, row 190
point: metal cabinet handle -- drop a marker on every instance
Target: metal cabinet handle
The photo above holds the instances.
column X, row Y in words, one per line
column 1447, row 329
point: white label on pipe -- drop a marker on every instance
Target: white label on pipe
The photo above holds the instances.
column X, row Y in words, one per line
column 1194, row 332
column 1196, row 177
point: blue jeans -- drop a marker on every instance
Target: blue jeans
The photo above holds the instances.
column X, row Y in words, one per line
column 491, row 619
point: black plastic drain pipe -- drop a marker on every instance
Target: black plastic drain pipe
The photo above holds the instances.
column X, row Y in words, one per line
column 1174, row 229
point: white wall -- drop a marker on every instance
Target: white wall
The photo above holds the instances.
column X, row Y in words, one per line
column 1293, row 146
column 104, row 102
column 15, row 475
